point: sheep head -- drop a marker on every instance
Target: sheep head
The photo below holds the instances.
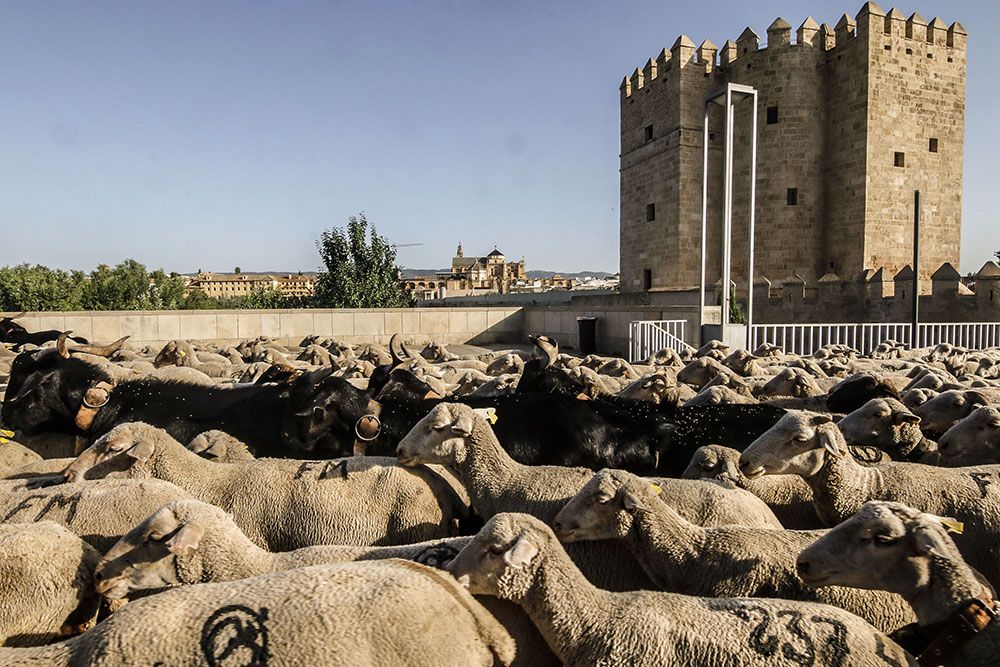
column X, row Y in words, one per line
column 503, row 559
column 605, row 507
column 122, row 452
column 796, row 445
column 716, row 462
column 440, row 437
column 883, row 422
column 793, row 382
column 159, row 551
column 973, row 441
column 947, row 409
column 885, row 546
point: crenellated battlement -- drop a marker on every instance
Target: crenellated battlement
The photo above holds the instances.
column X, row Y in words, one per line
column 876, row 295
column 871, row 22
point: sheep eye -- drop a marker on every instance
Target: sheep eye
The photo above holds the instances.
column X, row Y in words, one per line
column 707, row 465
column 885, row 539
column 496, row 549
column 801, row 438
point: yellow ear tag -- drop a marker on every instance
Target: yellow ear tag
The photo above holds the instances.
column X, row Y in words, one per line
column 3, row 440
column 4, row 433
column 181, row 353
column 953, row 526
column 491, row 415
column 655, row 489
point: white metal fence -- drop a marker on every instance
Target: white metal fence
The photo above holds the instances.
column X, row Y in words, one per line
column 807, row 338
column 647, row 337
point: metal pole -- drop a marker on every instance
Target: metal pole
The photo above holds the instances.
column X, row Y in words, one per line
column 914, row 325
column 727, row 224
column 704, row 219
column 753, row 195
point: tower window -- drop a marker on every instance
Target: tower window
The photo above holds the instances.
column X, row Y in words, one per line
column 792, row 196
column 909, row 52
column 650, row 212
column 899, row 159
column 932, row 146
column 888, row 47
column 647, row 134
column 647, row 279
column 772, row 115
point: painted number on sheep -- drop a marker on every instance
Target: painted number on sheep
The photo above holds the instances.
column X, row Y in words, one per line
column 763, row 641
column 235, row 636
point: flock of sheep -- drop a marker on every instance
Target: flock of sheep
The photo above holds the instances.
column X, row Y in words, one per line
column 861, row 528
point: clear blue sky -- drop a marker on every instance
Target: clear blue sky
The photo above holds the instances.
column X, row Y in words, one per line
column 214, row 134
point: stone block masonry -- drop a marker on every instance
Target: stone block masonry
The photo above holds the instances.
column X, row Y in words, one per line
column 851, row 120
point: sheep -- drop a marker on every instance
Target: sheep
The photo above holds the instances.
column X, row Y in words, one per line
column 887, row 424
column 219, row 446
column 700, row 371
column 46, row 583
column 973, row 441
column 658, row 387
column 717, row 395
column 517, row 557
column 916, row 397
column 14, row 455
column 722, row 561
column 181, row 353
column 306, row 502
column 743, row 363
column 891, row 547
column 501, row 385
column 793, row 382
column 811, row 446
column 454, row 434
column 506, row 364
column 99, row 512
column 217, row 550
column 49, row 445
column 665, row 357
column 948, row 408
column 788, row 496
column 391, row 613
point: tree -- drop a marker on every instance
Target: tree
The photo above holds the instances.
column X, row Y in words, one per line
column 26, row 287
column 361, row 269
column 125, row 287
column 237, row 271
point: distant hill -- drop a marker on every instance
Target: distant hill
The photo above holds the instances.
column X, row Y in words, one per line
column 412, row 273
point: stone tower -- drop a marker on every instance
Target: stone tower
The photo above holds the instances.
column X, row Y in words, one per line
column 851, row 120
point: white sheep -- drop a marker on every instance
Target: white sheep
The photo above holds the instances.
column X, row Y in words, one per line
column 286, row 504
column 973, row 441
column 788, row 496
column 891, row 547
column 391, row 613
column 46, row 583
column 217, row 550
column 811, row 446
column 455, row 435
column 98, row 512
column 719, row 561
column 517, row 557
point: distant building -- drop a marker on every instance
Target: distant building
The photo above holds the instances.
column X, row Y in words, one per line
column 471, row 276
column 227, row 285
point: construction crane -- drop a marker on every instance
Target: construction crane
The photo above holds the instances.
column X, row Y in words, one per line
column 404, row 245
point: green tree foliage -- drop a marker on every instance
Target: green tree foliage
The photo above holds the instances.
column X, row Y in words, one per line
column 26, row 287
column 361, row 269
column 127, row 286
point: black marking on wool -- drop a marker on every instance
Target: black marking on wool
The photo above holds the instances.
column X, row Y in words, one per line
column 982, row 480
column 235, row 635
column 436, row 556
column 839, row 650
column 322, row 470
column 880, row 652
column 68, row 502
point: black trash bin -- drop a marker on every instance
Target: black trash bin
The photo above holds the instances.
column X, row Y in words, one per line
column 588, row 334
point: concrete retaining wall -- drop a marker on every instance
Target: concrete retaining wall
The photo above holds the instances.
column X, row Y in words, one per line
column 446, row 325
column 451, row 325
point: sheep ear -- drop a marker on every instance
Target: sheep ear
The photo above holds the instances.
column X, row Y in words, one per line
column 521, row 554
column 828, row 440
column 462, row 425
column 977, row 398
column 928, row 542
column 630, row 502
column 140, row 451
column 186, row 539
column 905, row 418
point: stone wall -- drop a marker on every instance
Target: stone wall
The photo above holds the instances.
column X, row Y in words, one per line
column 446, row 325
